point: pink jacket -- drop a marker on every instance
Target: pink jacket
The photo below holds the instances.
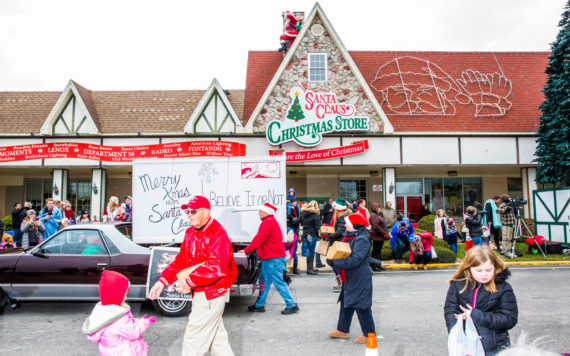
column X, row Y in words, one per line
column 290, row 247
column 116, row 331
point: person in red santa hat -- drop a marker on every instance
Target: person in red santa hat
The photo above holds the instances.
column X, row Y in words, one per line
column 269, row 245
column 356, row 276
column 291, row 29
column 111, row 323
column 205, row 243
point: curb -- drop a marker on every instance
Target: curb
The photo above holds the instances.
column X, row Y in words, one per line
column 448, row 265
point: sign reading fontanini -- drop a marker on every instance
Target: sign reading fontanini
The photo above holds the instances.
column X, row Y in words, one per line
column 311, row 115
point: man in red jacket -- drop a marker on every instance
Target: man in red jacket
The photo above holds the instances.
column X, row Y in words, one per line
column 269, row 245
column 206, row 243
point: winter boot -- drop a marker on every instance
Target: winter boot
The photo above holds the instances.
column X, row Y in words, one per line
column 283, row 47
column 295, row 269
column 310, row 269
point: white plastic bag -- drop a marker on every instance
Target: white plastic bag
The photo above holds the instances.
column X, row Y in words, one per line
column 464, row 342
column 433, row 254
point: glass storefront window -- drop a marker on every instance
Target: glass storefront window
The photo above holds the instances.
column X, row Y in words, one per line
column 409, row 186
column 352, row 190
column 472, row 192
column 37, row 191
column 79, row 195
column 433, row 193
column 453, row 194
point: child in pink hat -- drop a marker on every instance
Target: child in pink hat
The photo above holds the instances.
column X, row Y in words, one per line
column 111, row 323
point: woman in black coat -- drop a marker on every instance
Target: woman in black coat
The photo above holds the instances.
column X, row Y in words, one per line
column 479, row 288
column 356, row 276
column 311, row 221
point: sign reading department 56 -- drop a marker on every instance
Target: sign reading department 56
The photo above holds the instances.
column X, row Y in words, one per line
column 311, row 115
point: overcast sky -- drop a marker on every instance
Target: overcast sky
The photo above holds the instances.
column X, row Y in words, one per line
column 175, row 44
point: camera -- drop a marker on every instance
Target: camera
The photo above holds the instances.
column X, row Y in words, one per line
column 519, row 201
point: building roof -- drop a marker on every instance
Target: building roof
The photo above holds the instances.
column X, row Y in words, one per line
column 477, row 91
column 113, row 111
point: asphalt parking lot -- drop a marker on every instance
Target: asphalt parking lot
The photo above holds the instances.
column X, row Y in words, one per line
column 407, row 308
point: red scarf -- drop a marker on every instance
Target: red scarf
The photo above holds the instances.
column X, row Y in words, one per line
column 342, row 272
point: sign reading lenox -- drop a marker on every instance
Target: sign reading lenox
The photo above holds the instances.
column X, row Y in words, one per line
column 311, row 115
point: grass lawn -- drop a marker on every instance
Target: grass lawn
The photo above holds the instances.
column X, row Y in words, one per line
column 521, row 247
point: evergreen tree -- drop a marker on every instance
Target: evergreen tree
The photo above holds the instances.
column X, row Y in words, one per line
column 553, row 151
column 296, row 112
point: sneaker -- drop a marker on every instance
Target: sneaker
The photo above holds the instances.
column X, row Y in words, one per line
column 254, row 309
column 312, row 272
column 337, row 289
column 291, row 310
column 425, row 267
column 361, row 339
column 339, row 334
column 398, row 261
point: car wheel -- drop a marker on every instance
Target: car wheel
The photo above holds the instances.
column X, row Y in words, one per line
column 3, row 300
column 171, row 307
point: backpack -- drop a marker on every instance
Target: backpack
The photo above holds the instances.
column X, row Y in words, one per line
column 417, row 247
column 554, row 247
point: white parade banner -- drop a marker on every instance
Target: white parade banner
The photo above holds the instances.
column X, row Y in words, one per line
column 235, row 186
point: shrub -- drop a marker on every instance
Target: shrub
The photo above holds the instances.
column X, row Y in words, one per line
column 439, row 243
column 7, row 220
column 426, row 223
column 417, row 230
column 444, row 255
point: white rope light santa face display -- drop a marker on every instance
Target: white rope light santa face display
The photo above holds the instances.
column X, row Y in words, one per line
column 414, row 86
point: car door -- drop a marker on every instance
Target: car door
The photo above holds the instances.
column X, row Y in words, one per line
column 68, row 266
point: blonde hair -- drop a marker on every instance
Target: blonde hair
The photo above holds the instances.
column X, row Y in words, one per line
column 312, row 206
column 437, row 213
column 475, row 257
column 471, row 210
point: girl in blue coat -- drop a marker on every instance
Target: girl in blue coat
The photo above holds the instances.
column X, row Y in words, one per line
column 356, row 276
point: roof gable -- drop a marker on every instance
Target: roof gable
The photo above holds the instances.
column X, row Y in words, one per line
column 73, row 114
column 345, row 77
column 214, row 114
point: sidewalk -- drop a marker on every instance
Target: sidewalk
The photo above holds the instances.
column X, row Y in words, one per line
column 390, row 264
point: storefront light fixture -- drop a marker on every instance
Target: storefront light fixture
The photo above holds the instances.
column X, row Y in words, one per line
column 293, row 173
column 94, row 189
column 55, row 189
column 373, row 173
column 452, row 173
column 391, row 188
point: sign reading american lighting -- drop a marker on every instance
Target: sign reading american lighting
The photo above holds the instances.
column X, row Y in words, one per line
column 311, row 115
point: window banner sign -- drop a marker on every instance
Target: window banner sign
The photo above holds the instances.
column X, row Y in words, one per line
column 357, row 147
column 121, row 153
column 311, row 115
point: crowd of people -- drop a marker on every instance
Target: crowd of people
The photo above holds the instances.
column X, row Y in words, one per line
column 29, row 227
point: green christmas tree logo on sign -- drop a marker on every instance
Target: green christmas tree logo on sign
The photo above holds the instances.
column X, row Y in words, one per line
column 296, row 113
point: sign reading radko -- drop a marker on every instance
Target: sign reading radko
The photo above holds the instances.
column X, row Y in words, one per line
column 311, row 115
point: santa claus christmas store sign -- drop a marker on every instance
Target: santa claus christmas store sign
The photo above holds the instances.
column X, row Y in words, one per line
column 121, row 153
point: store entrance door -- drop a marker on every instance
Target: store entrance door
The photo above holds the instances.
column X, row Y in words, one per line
column 410, row 206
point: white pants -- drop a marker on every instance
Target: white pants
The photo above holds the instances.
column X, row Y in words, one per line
column 205, row 330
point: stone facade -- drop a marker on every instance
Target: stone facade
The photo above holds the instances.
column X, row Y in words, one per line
column 340, row 80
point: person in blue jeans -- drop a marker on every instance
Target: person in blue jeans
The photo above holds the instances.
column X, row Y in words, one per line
column 18, row 216
column 401, row 231
column 451, row 235
column 473, row 223
column 268, row 242
column 311, row 222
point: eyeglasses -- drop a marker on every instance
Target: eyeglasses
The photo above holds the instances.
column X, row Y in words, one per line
column 193, row 211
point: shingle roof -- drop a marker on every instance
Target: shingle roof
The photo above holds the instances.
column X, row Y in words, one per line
column 524, row 70
column 114, row 111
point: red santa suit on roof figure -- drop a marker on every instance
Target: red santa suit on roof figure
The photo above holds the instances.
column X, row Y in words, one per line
column 291, row 29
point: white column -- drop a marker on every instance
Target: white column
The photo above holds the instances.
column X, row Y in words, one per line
column 98, row 190
column 389, row 180
column 59, row 184
column 528, row 185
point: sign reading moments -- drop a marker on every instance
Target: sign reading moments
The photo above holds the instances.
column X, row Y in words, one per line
column 311, row 115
